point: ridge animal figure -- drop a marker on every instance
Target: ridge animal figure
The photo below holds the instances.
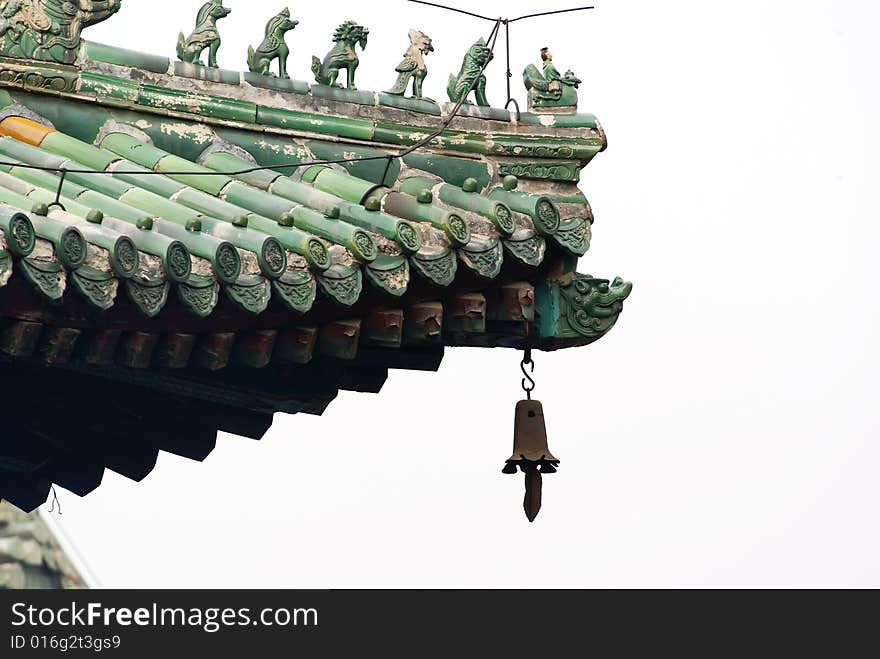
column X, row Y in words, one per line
column 49, row 30
column 413, row 65
column 550, row 89
column 470, row 75
column 343, row 56
column 273, row 46
column 205, row 36
column 6, row 22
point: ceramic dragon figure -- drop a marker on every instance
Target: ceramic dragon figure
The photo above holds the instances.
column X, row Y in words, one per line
column 343, row 56
column 273, row 46
column 49, row 30
column 413, row 65
column 590, row 307
column 471, row 76
column 205, row 36
column 552, row 89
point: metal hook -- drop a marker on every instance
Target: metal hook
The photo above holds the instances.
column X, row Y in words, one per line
column 516, row 104
column 528, row 382
column 57, row 201
column 510, row 98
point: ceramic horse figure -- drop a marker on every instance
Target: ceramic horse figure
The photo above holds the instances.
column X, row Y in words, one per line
column 273, row 46
column 205, row 36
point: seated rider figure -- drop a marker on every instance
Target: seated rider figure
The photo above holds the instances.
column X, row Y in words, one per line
column 552, row 89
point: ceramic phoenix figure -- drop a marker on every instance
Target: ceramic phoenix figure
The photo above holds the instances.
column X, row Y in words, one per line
column 413, row 65
column 343, row 56
column 550, row 90
column 205, row 36
column 470, row 75
column 273, row 46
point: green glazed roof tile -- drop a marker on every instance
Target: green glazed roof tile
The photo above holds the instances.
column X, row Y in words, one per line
column 13, row 150
column 345, row 95
column 120, row 145
column 193, row 202
column 582, row 120
column 99, row 52
column 251, row 294
column 187, row 70
column 278, row 84
column 75, row 149
column 342, row 284
column 109, row 86
column 313, row 123
column 412, row 104
column 389, row 273
column 189, row 102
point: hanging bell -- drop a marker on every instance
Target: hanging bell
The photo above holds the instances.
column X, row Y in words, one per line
column 531, row 453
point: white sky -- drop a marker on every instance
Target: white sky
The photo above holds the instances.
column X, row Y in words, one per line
column 724, row 434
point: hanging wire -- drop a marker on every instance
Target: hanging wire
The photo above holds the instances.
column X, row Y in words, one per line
column 549, row 13
column 459, row 11
column 508, row 20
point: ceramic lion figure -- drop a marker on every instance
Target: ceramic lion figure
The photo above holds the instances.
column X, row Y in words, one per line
column 343, row 56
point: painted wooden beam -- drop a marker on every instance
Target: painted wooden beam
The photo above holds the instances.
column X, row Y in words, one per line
column 58, row 345
column 383, row 329
column 340, row 339
column 212, row 351
column 423, row 323
column 20, row 339
column 466, row 313
column 254, row 349
column 296, row 345
column 137, row 348
column 175, row 350
column 513, row 302
column 100, row 346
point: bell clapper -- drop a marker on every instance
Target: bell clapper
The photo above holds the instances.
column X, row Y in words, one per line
column 532, row 500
